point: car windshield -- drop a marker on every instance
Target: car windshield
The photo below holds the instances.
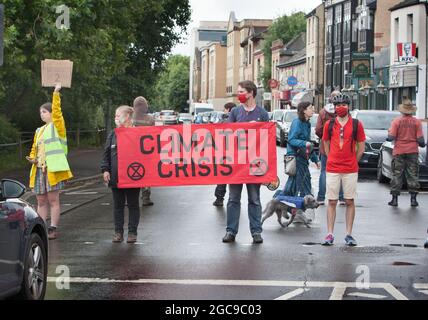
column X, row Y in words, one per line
column 167, row 113
column 278, row 115
column 290, row 116
column 377, row 120
column 200, row 110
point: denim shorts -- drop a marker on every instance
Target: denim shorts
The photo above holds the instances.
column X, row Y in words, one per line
column 42, row 186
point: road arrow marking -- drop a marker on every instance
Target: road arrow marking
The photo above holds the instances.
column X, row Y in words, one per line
column 366, row 295
column 292, row 294
column 338, row 291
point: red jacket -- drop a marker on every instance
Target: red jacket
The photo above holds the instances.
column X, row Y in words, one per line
column 323, row 117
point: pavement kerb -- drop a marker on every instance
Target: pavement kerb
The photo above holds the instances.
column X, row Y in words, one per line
column 70, row 184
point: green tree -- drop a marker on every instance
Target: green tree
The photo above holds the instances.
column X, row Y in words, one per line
column 284, row 28
column 172, row 87
column 118, row 48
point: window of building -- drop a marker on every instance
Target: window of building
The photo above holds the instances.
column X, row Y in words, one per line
column 328, row 75
column 410, row 27
column 329, row 35
column 396, row 33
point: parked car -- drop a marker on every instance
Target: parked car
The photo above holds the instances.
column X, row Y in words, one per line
column 217, row 117
column 285, row 124
column 384, row 170
column 185, row 118
column 314, row 138
column 23, row 245
column 168, row 117
column 376, row 124
column 206, row 117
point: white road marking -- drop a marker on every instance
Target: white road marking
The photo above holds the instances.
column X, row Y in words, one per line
column 105, row 204
column 424, row 291
column 338, row 291
column 393, row 291
column 292, row 294
column 420, row 285
column 366, row 295
column 89, row 243
column 81, row 193
column 338, row 287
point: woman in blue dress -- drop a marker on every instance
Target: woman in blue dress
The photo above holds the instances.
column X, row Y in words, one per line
column 300, row 146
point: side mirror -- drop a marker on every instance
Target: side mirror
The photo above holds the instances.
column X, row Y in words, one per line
column 10, row 189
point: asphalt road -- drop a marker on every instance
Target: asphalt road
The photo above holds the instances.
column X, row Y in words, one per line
column 179, row 254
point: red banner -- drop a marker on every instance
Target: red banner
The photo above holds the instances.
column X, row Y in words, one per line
column 230, row 153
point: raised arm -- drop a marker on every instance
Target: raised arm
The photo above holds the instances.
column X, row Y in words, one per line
column 57, row 118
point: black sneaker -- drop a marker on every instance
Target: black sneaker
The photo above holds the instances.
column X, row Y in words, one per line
column 229, row 237
column 426, row 244
column 257, row 238
column 218, row 202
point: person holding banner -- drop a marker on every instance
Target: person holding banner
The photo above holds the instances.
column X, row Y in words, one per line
column 300, row 146
column 248, row 111
column 48, row 156
column 109, row 168
column 220, row 190
column 142, row 118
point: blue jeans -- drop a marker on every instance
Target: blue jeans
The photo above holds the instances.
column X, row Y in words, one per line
column 322, row 181
column 234, row 208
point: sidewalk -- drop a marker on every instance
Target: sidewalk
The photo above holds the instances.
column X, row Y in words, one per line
column 85, row 165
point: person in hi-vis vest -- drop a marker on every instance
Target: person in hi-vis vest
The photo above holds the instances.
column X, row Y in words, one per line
column 50, row 168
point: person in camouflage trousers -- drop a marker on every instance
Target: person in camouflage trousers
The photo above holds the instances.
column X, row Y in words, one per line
column 142, row 118
column 407, row 133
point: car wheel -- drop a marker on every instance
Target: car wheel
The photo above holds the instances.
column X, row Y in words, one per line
column 35, row 272
column 380, row 177
column 282, row 141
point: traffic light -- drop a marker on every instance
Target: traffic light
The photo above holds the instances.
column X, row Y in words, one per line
column 1, row 32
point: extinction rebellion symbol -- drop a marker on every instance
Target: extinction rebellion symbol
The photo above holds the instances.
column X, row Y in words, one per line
column 136, row 171
column 258, row 167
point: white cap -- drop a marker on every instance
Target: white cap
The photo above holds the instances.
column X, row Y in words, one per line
column 329, row 107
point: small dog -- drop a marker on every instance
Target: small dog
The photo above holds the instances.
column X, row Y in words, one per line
column 289, row 208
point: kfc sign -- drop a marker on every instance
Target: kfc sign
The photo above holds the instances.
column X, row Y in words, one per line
column 406, row 52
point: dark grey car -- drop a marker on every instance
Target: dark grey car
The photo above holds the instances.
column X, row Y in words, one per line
column 23, row 245
column 376, row 124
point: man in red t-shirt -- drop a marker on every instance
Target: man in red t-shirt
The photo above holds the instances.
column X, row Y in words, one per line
column 407, row 133
column 344, row 148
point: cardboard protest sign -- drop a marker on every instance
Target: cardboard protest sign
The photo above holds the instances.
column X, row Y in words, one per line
column 57, row 71
column 229, row 153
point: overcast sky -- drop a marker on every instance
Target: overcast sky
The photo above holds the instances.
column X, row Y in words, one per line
column 219, row 10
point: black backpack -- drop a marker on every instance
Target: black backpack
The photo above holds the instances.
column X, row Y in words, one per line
column 354, row 128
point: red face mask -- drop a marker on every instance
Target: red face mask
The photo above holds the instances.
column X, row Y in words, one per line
column 242, row 97
column 342, row 111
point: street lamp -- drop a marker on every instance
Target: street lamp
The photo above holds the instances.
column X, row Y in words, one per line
column 365, row 90
column 381, row 88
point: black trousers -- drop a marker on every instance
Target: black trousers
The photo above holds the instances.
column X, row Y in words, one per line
column 220, row 191
column 131, row 197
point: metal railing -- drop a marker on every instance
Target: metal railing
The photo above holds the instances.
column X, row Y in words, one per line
column 74, row 138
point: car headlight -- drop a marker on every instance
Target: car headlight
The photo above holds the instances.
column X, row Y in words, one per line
column 368, row 138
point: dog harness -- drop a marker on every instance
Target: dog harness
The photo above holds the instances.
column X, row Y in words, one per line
column 293, row 203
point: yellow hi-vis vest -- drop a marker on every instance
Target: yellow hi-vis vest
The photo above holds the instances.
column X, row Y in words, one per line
column 55, row 149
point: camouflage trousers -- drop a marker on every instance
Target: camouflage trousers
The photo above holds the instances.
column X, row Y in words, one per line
column 405, row 165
